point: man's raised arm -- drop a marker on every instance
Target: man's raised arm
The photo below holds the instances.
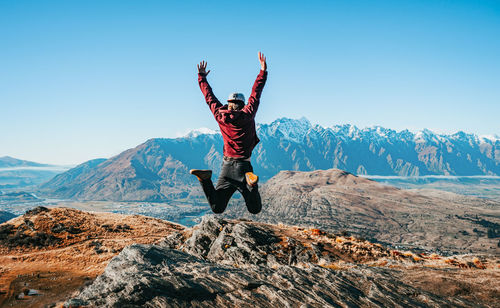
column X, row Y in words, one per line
column 210, row 98
column 258, row 86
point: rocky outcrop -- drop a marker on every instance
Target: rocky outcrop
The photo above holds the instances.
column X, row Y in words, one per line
column 223, row 263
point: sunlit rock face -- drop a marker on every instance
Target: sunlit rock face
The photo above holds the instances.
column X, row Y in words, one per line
column 235, row 263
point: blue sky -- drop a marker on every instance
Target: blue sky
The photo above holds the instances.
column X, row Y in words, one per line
column 87, row 79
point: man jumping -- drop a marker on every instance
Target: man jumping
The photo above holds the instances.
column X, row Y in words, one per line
column 237, row 125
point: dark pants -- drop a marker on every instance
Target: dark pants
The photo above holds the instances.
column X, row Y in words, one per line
column 232, row 178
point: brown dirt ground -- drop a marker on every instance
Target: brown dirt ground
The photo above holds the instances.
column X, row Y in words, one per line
column 58, row 271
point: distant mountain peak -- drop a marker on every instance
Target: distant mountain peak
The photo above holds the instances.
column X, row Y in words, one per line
column 425, row 135
column 200, row 131
column 8, row 161
column 286, row 122
column 288, row 129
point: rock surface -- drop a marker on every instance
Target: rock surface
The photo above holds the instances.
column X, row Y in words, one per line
column 223, row 263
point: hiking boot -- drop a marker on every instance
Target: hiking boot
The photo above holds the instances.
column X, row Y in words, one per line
column 201, row 174
column 251, row 178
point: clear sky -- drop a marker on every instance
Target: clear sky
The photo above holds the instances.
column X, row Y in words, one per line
column 87, row 79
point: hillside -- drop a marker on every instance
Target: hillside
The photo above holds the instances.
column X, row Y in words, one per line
column 110, row 260
column 337, row 201
column 235, row 263
column 152, row 171
column 5, row 216
column 54, row 251
column 157, row 170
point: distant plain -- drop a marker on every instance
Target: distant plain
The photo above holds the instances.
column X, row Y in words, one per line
column 188, row 211
column 477, row 186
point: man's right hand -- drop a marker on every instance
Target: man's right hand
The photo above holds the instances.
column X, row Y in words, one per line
column 202, row 68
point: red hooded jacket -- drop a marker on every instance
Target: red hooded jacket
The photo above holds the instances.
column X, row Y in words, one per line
column 237, row 127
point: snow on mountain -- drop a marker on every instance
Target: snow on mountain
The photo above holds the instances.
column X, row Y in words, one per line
column 490, row 138
column 427, row 136
column 378, row 139
column 200, row 131
column 346, row 131
column 287, row 129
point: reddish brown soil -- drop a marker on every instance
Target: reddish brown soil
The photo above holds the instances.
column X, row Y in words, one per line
column 78, row 256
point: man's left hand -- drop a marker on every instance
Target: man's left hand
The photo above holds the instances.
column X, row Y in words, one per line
column 262, row 60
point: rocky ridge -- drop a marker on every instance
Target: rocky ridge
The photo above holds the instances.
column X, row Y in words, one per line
column 238, row 263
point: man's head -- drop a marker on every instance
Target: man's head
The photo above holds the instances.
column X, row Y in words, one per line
column 236, row 101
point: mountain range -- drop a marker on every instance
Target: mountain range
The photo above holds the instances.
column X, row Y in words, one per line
column 157, row 170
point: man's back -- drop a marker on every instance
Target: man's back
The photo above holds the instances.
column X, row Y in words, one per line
column 237, row 126
column 239, row 135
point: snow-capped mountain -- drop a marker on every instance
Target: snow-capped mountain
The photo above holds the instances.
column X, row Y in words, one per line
column 375, row 150
column 200, row 131
column 294, row 130
column 158, row 169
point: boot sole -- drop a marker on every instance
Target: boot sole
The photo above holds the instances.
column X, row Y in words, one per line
column 251, row 178
column 201, row 174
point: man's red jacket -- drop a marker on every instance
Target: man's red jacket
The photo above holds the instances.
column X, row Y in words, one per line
column 237, row 127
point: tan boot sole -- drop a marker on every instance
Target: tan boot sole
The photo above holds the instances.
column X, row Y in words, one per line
column 252, row 179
